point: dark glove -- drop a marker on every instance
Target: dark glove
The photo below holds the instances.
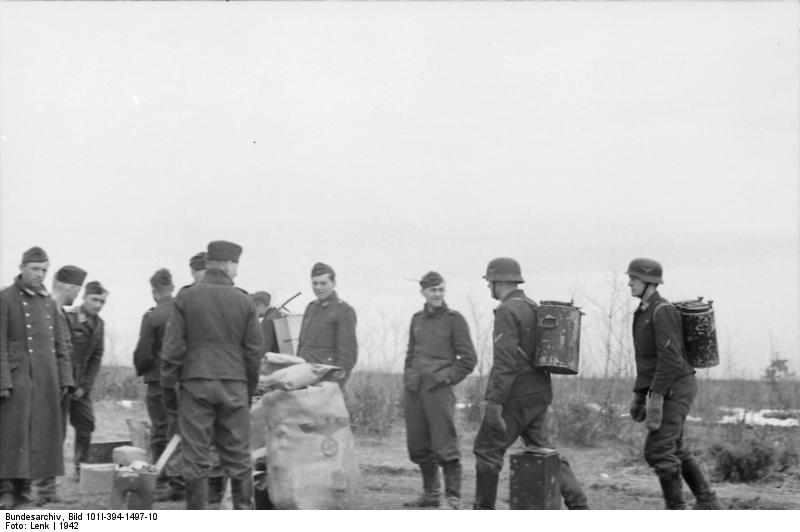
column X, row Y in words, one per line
column 655, row 411
column 494, row 417
column 638, row 409
column 170, row 399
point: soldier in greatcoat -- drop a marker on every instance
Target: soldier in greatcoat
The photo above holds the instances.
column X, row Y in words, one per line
column 664, row 390
column 212, row 351
column 35, row 374
column 517, row 393
column 147, row 361
column 328, row 330
column 87, row 334
column 440, row 355
column 67, row 284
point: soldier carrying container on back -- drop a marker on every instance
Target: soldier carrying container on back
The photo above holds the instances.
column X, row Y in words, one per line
column 440, row 355
column 664, row 390
column 517, row 394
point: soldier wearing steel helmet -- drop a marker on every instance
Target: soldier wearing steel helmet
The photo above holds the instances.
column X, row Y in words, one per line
column 517, row 394
column 664, row 389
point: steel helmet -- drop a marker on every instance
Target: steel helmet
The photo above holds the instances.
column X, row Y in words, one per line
column 647, row 270
column 504, row 269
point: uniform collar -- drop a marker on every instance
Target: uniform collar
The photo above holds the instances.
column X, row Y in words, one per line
column 516, row 293
column 645, row 304
column 434, row 312
column 166, row 300
column 217, row 276
column 40, row 292
column 333, row 298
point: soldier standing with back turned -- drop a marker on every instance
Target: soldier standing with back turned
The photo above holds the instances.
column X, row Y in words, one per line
column 517, row 394
column 212, row 351
column 664, row 390
column 440, row 355
column 147, row 359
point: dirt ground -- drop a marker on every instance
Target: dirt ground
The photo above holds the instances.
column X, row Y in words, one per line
column 389, row 478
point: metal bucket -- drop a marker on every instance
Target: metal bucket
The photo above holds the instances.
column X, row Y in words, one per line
column 287, row 330
column 699, row 332
column 558, row 337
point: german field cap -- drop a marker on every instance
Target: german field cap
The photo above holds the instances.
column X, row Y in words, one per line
column 161, row 278
column 198, row 262
column 35, row 254
column 94, row 288
column 262, row 297
column 222, row 250
column 71, row 275
column 431, row 279
column 321, row 268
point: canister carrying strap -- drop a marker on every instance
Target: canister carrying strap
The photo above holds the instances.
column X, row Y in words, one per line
column 531, row 358
column 668, row 304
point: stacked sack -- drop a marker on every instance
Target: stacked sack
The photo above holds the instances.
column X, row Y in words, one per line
column 307, row 441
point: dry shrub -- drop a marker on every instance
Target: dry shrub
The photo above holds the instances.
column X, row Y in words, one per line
column 118, row 383
column 374, row 400
column 746, row 461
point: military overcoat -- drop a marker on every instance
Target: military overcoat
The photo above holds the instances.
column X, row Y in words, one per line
column 35, row 365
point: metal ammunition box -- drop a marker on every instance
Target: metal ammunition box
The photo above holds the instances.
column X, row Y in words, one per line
column 534, row 482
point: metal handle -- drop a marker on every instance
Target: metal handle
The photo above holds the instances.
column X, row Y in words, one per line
column 553, row 322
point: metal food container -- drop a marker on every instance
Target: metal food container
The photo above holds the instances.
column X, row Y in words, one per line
column 558, row 337
column 699, row 332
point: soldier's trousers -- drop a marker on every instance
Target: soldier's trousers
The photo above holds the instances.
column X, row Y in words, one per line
column 663, row 448
column 81, row 417
column 526, row 417
column 214, row 412
column 159, row 423
column 430, row 426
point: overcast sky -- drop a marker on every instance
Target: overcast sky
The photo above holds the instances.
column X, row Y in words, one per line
column 389, row 139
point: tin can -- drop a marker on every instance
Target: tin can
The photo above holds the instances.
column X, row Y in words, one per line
column 558, row 337
column 699, row 332
column 534, row 481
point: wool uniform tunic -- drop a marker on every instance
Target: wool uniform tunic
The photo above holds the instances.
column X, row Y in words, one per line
column 213, row 349
column 146, row 359
column 524, row 392
column 440, row 355
column 35, row 366
column 661, row 367
column 328, row 334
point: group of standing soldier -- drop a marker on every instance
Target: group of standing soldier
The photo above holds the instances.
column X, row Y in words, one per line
column 199, row 354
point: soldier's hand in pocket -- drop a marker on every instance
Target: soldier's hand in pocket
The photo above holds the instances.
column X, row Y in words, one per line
column 5, row 393
column 638, row 409
column 494, row 416
column 655, row 411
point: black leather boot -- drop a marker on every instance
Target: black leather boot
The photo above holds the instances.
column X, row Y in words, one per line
column 197, row 493
column 485, row 490
column 431, row 488
column 672, row 488
column 452, row 483
column 705, row 498
column 242, row 492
